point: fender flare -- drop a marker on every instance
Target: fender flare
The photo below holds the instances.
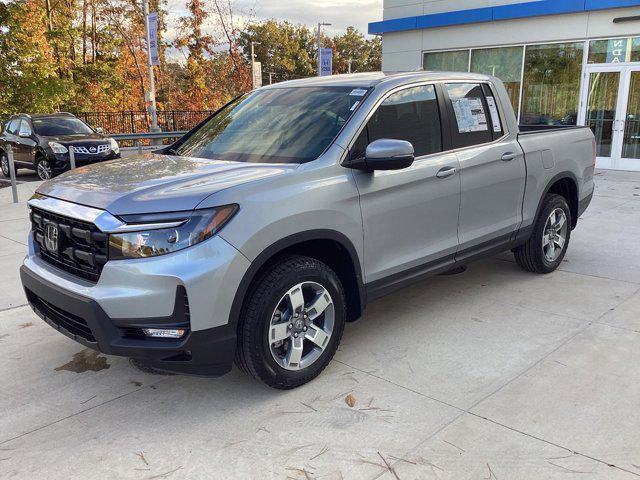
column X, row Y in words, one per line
column 272, row 250
column 555, row 179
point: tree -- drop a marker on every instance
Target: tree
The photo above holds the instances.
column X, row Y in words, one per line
column 285, row 50
column 30, row 81
column 365, row 54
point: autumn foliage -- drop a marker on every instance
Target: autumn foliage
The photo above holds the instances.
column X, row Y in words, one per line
column 90, row 55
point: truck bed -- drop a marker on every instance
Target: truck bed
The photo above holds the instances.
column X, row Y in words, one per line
column 548, row 153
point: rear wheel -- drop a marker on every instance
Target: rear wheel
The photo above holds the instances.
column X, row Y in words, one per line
column 292, row 323
column 546, row 248
column 43, row 169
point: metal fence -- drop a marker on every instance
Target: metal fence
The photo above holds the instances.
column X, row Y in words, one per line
column 140, row 121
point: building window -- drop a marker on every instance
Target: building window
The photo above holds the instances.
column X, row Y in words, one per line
column 551, row 84
column 504, row 63
column 453, row 61
column 620, row 50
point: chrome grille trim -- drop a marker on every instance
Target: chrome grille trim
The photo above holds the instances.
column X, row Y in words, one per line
column 102, row 219
column 86, row 150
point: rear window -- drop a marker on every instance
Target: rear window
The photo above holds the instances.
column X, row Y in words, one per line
column 469, row 113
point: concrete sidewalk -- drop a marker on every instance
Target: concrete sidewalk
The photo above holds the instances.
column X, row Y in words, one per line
column 492, row 374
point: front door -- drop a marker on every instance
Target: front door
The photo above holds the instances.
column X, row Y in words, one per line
column 611, row 107
column 410, row 216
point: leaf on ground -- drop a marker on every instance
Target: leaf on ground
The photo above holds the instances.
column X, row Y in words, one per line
column 350, row 400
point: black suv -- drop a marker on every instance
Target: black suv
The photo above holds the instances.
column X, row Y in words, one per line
column 42, row 143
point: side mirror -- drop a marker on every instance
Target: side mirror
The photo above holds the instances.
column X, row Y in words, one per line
column 99, row 130
column 24, row 134
column 385, row 154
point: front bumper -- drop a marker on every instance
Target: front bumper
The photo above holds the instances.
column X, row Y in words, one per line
column 205, row 352
column 191, row 289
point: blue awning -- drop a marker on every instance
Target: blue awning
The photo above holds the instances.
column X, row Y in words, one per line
column 492, row 14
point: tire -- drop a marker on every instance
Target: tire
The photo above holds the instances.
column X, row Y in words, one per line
column 268, row 314
column 4, row 165
column 542, row 254
column 43, row 166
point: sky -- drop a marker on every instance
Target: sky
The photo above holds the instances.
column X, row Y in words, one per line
column 340, row 13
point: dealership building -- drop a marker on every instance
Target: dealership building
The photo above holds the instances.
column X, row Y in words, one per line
column 564, row 62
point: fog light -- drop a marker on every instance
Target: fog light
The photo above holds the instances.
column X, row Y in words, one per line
column 164, row 333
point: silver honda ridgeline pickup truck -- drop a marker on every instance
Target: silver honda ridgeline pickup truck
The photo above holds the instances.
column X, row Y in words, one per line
column 265, row 229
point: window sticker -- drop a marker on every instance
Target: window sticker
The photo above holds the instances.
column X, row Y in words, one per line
column 358, row 92
column 355, row 105
column 495, row 117
column 470, row 115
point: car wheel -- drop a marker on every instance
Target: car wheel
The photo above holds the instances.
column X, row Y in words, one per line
column 4, row 165
column 43, row 169
column 292, row 322
column 546, row 248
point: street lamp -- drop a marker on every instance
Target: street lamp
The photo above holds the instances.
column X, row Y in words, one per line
column 320, row 25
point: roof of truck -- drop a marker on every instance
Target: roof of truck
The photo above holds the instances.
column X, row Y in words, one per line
column 374, row 78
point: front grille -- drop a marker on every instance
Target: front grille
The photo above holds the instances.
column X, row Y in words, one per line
column 87, row 150
column 71, row 323
column 82, row 249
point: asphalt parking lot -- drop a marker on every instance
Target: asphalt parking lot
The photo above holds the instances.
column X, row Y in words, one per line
column 491, row 374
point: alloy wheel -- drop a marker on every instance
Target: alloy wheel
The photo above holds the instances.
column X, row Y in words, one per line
column 555, row 235
column 301, row 326
column 44, row 170
column 4, row 164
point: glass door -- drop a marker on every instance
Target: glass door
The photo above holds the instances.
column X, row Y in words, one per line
column 612, row 110
column 631, row 123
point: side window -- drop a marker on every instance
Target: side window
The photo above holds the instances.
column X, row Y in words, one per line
column 13, row 127
column 470, row 123
column 411, row 114
column 25, row 128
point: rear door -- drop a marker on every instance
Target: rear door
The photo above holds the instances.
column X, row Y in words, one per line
column 492, row 168
column 410, row 216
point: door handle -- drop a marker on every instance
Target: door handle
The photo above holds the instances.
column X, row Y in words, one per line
column 446, row 172
column 507, row 157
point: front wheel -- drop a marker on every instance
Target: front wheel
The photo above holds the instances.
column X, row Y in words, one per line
column 43, row 169
column 4, row 165
column 292, row 322
column 546, row 248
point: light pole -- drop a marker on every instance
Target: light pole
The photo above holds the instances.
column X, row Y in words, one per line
column 152, row 82
column 253, row 63
column 350, row 60
column 320, row 25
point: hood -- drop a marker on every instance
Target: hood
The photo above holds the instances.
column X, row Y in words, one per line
column 71, row 139
column 154, row 183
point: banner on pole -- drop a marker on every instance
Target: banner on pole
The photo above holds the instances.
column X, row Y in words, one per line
column 152, row 28
column 326, row 62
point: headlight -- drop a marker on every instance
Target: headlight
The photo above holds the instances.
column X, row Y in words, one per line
column 57, row 147
column 200, row 226
column 114, row 146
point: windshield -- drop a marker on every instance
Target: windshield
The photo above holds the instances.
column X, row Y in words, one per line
column 282, row 125
column 53, row 127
